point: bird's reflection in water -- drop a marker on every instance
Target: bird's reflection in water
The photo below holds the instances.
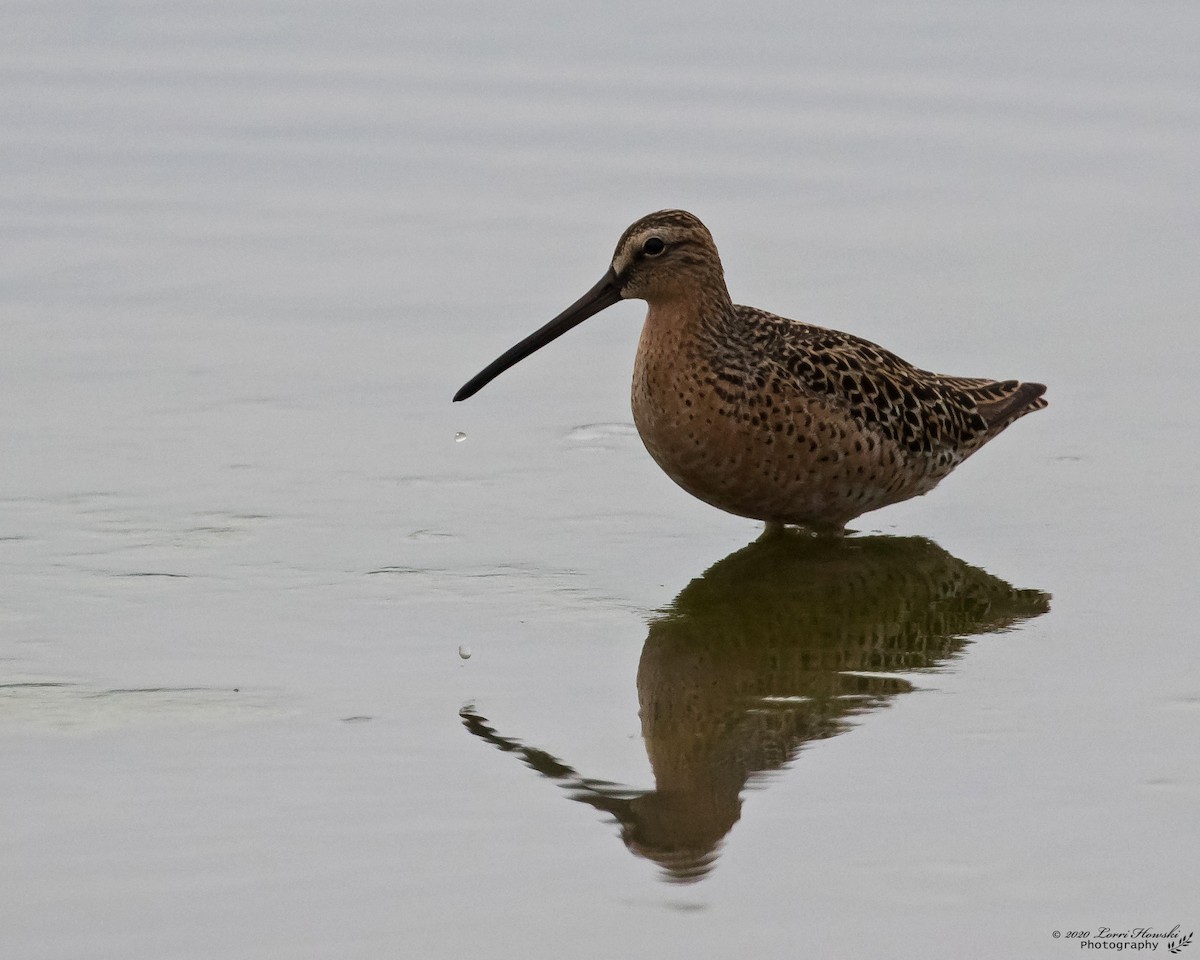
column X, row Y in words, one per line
column 780, row 643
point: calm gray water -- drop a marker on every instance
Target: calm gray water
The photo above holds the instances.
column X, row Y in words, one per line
column 249, row 251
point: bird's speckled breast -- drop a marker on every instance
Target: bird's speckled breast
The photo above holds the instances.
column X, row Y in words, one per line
column 739, row 436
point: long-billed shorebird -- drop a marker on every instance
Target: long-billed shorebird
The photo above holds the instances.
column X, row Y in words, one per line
column 770, row 418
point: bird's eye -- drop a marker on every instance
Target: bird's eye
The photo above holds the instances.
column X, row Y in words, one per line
column 654, row 246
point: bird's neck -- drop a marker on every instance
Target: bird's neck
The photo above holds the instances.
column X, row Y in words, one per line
column 689, row 312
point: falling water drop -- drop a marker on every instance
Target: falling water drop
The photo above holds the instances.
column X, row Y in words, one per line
column 464, row 651
column 460, row 437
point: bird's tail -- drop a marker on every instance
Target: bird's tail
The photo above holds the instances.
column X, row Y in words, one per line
column 1001, row 403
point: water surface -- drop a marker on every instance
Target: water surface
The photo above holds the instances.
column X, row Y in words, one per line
column 250, row 251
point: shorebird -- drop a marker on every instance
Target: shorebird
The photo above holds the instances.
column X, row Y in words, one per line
column 770, row 418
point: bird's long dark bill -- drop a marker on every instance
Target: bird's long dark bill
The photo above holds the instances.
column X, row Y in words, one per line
column 604, row 294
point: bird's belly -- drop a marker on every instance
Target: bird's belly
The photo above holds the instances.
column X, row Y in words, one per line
column 764, row 454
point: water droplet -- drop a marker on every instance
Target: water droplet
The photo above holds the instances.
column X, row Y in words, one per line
column 460, row 437
column 464, row 651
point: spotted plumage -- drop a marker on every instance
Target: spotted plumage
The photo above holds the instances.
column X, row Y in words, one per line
column 771, row 418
